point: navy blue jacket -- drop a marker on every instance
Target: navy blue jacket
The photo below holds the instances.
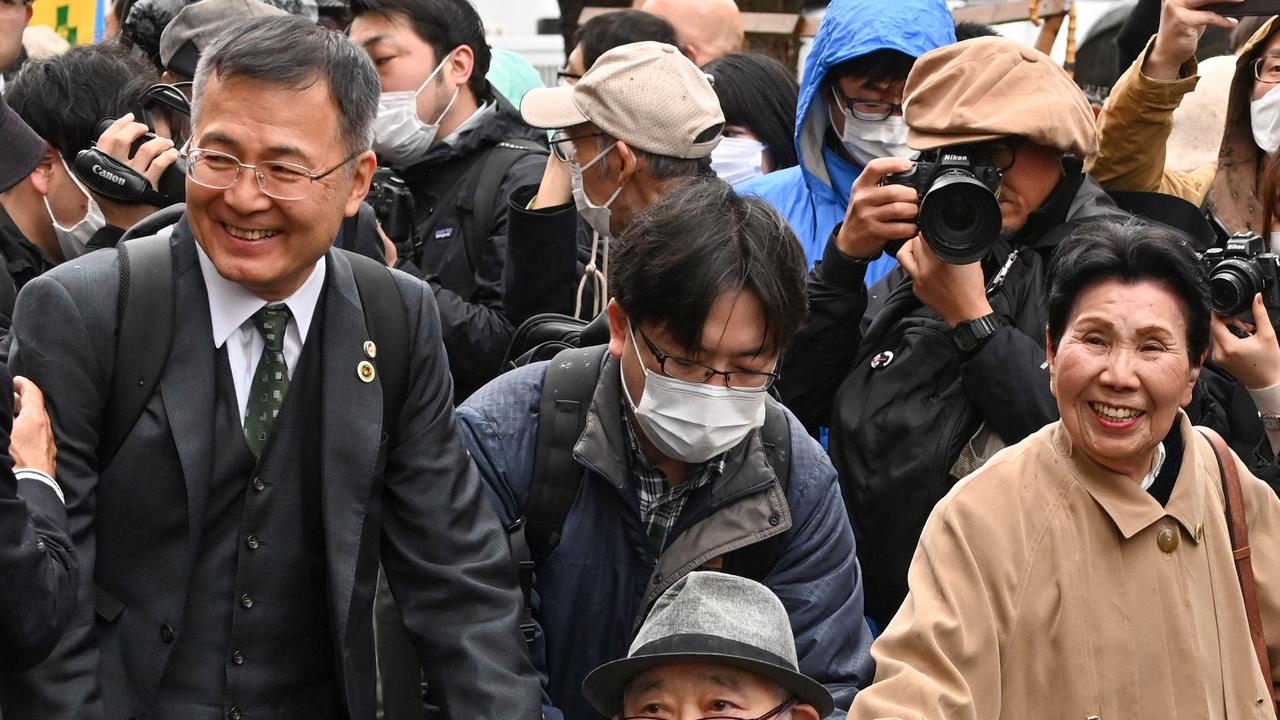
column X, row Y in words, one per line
column 592, row 591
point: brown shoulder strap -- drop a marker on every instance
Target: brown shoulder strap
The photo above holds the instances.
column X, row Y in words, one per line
column 1238, row 527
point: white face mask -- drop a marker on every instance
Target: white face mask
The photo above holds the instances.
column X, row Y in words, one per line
column 399, row 135
column 693, row 422
column 867, row 140
column 1264, row 116
column 72, row 240
column 737, row 159
column 597, row 216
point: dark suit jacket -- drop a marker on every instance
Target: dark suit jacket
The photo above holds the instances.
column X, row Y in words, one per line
column 414, row 502
column 38, row 569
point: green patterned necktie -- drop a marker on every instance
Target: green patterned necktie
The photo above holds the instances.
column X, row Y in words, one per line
column 270, row 378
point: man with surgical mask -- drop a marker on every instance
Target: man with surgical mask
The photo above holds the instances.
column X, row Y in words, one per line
column 682, row 457
column 850, row 111
column 460, row 147
column 63, row 99
column 642, row 120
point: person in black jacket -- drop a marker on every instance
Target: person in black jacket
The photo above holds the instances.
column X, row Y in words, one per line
column 460, row 147
column 952, row 367
column 38, row 567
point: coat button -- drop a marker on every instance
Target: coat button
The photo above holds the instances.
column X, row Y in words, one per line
column 774, row 520
column 246, row 601
column 237, row 657
column 167, row 634
column 252, row 542
column 1167, row 540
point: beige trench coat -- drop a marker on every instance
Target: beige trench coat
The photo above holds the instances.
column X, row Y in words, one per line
column 1045, row 586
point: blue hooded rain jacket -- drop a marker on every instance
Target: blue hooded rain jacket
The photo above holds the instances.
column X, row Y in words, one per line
column 814, row 195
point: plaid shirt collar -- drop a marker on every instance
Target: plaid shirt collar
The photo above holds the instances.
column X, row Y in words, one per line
column 660, row 505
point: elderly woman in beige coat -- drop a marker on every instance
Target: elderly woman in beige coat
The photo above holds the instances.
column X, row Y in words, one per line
column 1087, row 571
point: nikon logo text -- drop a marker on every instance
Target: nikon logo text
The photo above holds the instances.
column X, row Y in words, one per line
column 107, row 175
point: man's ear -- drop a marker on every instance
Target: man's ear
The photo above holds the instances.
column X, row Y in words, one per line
column 361, row 177
column 462, row 64
column 618, row 328
column 627, row 163
column 41, row 176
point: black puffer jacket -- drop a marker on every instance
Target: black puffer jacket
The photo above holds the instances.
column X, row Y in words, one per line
column 468, row 276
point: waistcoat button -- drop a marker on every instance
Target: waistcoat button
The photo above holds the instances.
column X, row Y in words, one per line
column 246, row 601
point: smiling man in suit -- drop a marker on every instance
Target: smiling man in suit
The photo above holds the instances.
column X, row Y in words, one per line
column 231, row 543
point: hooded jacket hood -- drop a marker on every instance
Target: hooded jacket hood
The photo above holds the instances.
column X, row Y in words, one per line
column 1235, row 194
column 850, row 29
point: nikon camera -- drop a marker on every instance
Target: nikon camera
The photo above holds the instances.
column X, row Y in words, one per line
column 392, row 201
column 1240, row 271
column 959, row 215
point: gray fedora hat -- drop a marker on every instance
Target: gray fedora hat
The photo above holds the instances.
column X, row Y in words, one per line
column 714, row 618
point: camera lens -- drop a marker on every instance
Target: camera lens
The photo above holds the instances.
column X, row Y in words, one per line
column 1232, row 285
column 959, row 217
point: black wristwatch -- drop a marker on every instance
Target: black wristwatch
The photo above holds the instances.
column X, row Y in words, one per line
column 971, row 335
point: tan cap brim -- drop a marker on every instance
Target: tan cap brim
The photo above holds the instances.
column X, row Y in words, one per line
column 924, row 141
column 551, row 108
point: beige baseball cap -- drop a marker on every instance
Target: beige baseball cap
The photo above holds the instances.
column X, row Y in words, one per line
column 645, row 94
column 991, row 87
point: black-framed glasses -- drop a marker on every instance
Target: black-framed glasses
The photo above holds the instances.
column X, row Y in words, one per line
column 280, row 180
column 568, row 77
column 866, row 109
column 767, row 716
column 1266, row 69
column 694, row 372
column 1000, row 154
column 562, row 145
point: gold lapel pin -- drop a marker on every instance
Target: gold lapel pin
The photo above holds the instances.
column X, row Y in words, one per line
column 365, row 371
column 370, row 349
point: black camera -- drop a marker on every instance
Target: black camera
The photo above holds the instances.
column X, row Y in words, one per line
column 393, row 204
column 115, row 180
column 1240, row 271
column 959, row 215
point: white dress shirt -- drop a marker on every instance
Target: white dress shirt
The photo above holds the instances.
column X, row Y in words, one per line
column 231, row 309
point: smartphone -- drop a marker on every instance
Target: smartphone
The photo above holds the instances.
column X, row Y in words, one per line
column 1245, row 8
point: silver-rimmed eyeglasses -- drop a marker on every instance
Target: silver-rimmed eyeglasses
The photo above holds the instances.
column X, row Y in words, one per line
column 280, row 180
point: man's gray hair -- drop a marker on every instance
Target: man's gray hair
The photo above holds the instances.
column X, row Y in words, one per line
column 293, row 53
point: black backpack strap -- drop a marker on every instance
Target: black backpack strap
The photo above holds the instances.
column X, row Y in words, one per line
column 144, row 334
column 479, row 200
column 388, row 324
column 756, row 561
column 567, row 390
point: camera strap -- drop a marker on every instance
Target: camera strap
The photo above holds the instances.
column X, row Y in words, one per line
column 116, row 181
column 998, row 280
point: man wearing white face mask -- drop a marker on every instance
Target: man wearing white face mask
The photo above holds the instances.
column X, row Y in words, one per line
column 461, row 149
column 642, row 120
column 679, row 458
column 850, row 111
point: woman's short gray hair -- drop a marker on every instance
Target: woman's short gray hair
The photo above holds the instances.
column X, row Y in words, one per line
column 291, row 52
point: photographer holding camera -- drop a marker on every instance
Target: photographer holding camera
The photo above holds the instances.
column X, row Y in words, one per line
column 952, row 368
column 65, row 99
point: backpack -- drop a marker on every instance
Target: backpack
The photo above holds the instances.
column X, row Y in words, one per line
column 144, row 334
column 476, row 199
column 545, row 335
column 567, row 391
